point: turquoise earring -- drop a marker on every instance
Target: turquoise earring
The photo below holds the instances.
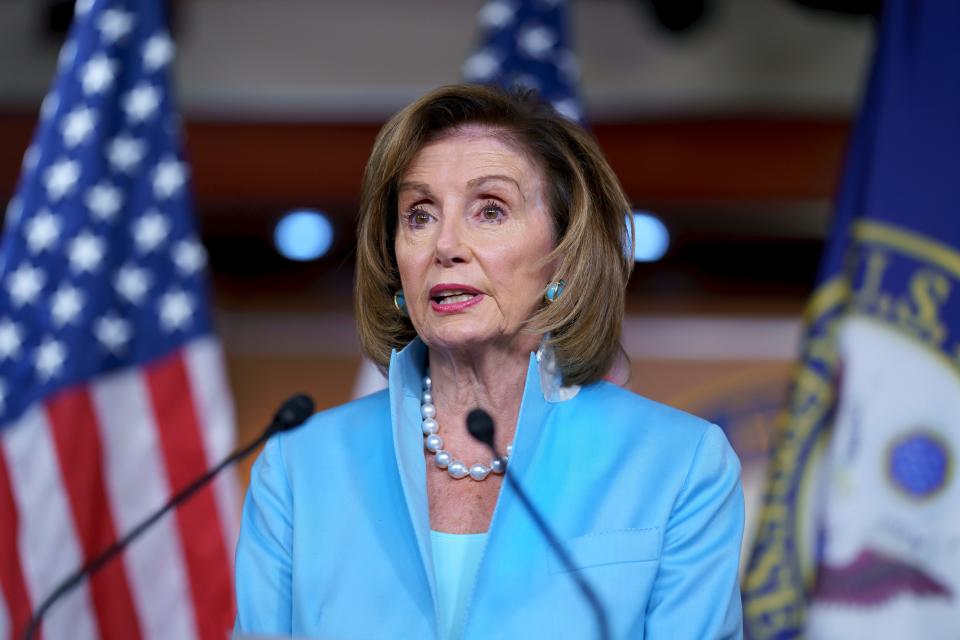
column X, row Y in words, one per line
column 400, row 303
column 554, row 290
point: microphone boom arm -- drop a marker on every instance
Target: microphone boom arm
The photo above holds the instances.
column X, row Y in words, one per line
column 481, row 427
column 593, row 600
column 291, row 414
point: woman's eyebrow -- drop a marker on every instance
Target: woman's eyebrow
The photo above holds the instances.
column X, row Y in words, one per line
column 420, row 187
column 497, row 177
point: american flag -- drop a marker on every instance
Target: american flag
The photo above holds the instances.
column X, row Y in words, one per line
column 526, row 44
column 112, row 390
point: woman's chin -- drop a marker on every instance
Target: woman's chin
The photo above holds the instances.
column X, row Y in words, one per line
column 478, row 342
column 461, row 336
column 457, row 341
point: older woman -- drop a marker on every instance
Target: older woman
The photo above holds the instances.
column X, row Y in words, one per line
column 491, row 267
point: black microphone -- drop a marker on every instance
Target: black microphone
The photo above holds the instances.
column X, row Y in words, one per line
column 480, row 426
column 291, row 413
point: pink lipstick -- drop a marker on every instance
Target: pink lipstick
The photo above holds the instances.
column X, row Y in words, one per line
column 453, row 297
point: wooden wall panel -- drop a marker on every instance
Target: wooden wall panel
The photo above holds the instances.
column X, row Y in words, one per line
column 260, row 383
column 281, row 163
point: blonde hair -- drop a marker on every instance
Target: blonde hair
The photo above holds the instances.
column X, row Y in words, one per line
column 589, row 209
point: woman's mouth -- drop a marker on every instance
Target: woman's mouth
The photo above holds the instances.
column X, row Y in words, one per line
column 453, row 298
column 450, row 299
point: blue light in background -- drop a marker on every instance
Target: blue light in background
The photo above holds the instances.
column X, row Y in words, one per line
column 304, row 234
column 652, row 237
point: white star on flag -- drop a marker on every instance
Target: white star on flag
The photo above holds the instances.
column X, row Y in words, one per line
column 77, row 126
column 568, row 108
column 66, row 305
column 11, row 337
column 49, row 106
column 176, row 308
column 141, row 102
column 481, row 66
column 157, row 52
column 61, row 177
column 104, row 201
column 132, row 283
column 82, row 7
column 85, row 252
column 113, row 333
column 25, row 284
column 68, row 53
column 30, row 158
column 537, row 41
column 115, row 24
column 497, row 15
column 150, row 231
column 98, row 74
column 42, row 231
column 125, row 153
column 14, row 210
column 189, row 256
column 168, row 177
column 49, row 360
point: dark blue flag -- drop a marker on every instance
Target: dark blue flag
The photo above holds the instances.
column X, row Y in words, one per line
column 859, row 535
column 526, row 44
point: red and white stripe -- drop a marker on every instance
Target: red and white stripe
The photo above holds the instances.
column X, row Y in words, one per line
column 48, row 543
column 211, row 393
column 86, row 466
column 138, row 486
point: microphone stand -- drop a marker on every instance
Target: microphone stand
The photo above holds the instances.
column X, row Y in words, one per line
column 480, row 426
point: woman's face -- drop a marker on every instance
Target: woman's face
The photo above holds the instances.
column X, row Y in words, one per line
column 472, row 229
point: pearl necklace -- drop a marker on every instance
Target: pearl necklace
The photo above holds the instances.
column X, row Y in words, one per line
column 443, row 458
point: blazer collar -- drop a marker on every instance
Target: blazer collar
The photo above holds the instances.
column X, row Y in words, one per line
column 541, row 389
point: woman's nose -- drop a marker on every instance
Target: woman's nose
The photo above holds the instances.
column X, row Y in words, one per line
column 451, row 247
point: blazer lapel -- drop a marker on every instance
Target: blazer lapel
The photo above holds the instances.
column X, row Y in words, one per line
column 509, row 518
column 405, row 376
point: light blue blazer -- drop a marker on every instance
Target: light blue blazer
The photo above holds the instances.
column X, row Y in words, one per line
column 335, row 537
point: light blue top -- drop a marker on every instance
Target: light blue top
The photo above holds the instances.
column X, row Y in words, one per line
column 335, row 535
column 456, row 557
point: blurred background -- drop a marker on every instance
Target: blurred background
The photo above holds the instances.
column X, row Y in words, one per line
column 725, row 121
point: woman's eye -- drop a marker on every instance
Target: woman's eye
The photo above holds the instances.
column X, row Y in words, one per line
column 418, row 218
column 491, row 213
